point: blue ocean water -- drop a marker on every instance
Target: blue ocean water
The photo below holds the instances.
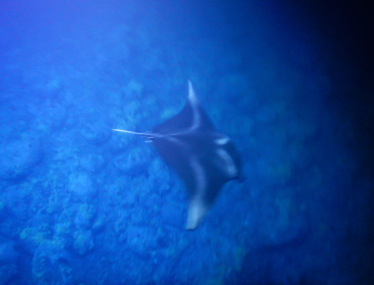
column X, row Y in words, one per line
column 289, row 83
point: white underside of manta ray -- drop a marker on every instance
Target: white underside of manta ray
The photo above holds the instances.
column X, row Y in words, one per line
column 204, row 158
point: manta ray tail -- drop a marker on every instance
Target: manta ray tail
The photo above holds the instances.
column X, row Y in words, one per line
column 149, row 136
column 131, row 132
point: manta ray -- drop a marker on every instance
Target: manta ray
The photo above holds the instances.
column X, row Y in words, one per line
column 204, row 158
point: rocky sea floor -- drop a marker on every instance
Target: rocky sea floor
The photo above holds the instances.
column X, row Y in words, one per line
column 80, row 204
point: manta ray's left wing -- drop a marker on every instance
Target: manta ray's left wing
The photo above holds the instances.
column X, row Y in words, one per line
column 191, row 118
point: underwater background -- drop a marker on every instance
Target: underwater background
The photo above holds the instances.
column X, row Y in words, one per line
column 289, row 82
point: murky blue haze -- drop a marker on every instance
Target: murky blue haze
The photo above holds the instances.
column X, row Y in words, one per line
column 289, row 84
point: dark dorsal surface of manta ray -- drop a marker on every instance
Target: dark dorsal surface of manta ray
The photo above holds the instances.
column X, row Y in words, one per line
column 204, row 158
